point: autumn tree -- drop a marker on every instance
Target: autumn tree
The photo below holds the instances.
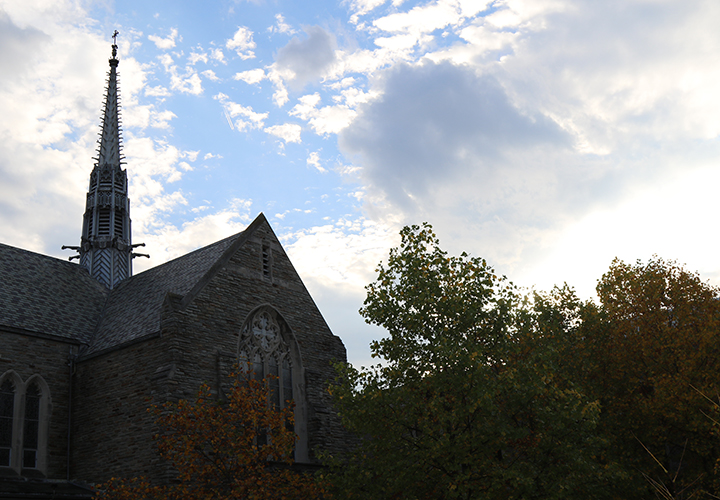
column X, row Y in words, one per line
column 465, row 403
column 650, row 353
column 239, row 448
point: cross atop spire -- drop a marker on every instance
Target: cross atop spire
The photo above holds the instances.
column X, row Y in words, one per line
column 106, row 244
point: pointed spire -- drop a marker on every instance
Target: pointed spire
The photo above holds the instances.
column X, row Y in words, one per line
column 110, row 139
column 106, row 244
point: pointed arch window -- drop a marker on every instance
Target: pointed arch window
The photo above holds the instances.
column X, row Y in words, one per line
column 267, row 347
column 263, row 352
column 24, row 419
column 7, row 413
column 31, row 427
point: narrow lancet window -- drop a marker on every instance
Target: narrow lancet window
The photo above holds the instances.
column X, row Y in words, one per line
column 31, row 427
column 287, row 380
column 7, row 408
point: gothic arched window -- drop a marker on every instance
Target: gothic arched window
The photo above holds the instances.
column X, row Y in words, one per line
column 23, row 427
column 263, row 352
column 31, row 427
column 267, row 346
column 7, row 412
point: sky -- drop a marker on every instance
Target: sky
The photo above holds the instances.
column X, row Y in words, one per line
column 546, row 136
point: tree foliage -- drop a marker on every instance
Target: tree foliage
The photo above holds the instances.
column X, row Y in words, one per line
column 235, row 449
column 649, row 352
column 465, row 403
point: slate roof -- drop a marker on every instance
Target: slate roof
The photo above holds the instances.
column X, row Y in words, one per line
column 51, row 296
column 46, row 295
column 134, row 306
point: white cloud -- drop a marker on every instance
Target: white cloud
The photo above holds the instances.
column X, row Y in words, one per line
column 190, row 155
column 325, row 120
column 399, row 42
column 218, row 55
column 362, row 7
column 188, row 82
column 313, row 160
column 336, row 261
column 428, row 17
column 288, row 132
column 306, row 60
column 210, row 75
column 343, row 254
column 253, row 120
column 281, row 26
column 158, row 91
column 280, row 96
column 242, row 43
column 167, row 241
column 308, row 103
column 345, row 82
column 161, row 119
column 251, row 76
column 165, row 43
column 658, row 219
column 330, row 119
column 196, row 57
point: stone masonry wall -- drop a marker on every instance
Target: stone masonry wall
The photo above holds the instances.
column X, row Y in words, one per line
column 112, row 430
column 28, row 356
column 210, row 326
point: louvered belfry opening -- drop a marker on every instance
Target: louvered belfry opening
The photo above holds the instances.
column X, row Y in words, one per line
column 106, row 243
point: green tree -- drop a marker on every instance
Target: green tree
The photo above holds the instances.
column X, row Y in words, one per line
column 466, row 403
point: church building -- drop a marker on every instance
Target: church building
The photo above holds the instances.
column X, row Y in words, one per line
column 86, row 348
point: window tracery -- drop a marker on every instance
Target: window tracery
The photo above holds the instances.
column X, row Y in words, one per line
column 23, row 427
column 267, row 346
column 263, row 352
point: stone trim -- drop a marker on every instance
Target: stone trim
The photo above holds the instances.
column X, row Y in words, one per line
column 40, row 335
column 119, row 347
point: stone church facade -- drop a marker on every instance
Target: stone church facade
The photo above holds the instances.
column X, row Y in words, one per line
column 86, row 348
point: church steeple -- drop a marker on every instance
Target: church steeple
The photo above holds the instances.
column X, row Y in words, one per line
column 106, row 243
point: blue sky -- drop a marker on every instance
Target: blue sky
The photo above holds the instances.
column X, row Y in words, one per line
column 548, row 136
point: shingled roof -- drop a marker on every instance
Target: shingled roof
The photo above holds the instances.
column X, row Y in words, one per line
column 49, row 296
column 133, row 308
column 45, row 295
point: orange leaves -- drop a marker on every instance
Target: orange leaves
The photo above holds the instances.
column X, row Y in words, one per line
column 237, row 448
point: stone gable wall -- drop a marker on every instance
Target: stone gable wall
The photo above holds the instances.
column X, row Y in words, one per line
column 112, row 430
column 210, row 325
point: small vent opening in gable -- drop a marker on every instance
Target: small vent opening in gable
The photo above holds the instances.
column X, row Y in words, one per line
column 266, row 261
